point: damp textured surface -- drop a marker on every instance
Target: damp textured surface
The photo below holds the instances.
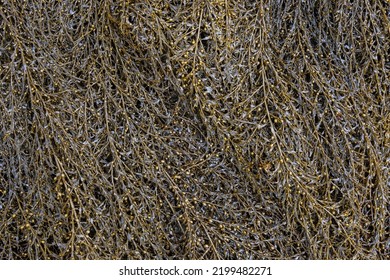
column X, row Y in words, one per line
column 194, row 129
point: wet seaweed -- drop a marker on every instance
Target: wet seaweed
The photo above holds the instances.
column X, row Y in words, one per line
column 194, row 129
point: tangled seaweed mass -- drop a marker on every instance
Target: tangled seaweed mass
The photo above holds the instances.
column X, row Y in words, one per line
column 202, row 129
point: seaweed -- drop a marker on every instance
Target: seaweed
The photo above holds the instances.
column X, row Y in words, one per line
column 202, row 129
